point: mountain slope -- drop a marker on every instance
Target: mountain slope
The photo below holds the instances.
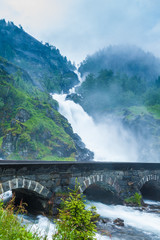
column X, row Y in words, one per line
column 129, row 60
column 45, row 65
column 30, row 126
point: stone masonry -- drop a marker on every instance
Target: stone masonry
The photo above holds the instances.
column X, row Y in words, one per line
column 50, row 179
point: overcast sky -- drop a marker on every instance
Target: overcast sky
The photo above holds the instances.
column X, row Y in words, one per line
column 81, row 27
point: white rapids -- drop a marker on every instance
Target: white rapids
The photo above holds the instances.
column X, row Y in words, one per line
column 45, row 227
column 141, row 222
column 146, row 222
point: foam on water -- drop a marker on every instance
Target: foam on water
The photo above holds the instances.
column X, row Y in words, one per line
column 44, row 227
column 6, row 196
column 151, row 202
column 147, row 222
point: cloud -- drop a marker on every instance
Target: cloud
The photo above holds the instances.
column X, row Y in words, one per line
column 81, row 27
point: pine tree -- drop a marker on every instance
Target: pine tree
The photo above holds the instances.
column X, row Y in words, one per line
column 75, row 221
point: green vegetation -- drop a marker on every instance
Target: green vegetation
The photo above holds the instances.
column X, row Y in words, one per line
column 136, row 199
column 30, row 118
column 55, row 158
column 154, row 110
column 11, row 227
column 123, row 59
column 121, row 77
column 108, row 92
column 43, row 63
column 75, row 221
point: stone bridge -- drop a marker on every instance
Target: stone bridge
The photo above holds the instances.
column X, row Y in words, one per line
column 49, row 181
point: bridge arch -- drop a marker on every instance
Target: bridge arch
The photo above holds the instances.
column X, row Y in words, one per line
column 99, row 179
column 149, row 187
column 23, row 183
column 100, row 187
column 147, row 178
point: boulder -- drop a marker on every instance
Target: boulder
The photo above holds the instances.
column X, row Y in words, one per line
column 119, row 222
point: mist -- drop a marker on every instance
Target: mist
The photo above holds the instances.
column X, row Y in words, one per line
column 123, row 59
column 120, row 135
column 107, row 139
column 121, row 93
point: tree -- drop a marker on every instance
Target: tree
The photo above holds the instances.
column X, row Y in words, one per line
column 75, row 221
column 158, row 82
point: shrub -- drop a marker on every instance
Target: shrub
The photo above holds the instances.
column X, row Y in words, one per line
column 75, row 221
column 136, row 199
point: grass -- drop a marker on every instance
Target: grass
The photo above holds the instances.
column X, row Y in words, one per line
column 155, row 111
column 1, row 141
column 15, row 156
column 55, row 158
column 142, row 110
column 138, row 110
column 10, row 226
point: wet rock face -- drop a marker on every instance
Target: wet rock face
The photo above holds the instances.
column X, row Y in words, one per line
column 83, row 153
column 22, row 115
column 9, row 143
column 77, row 98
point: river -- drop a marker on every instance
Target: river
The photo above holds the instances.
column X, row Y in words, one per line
column 138, row 225
column 110, row 142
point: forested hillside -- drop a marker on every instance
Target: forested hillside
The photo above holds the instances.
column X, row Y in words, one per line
column 124, row 85
column 30, row 125
column 107, row 92
column 43, row 62
column 123, row 59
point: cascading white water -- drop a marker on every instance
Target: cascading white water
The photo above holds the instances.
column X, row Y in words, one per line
column 108, row 139
column 6, row 196
column 146, row 222
column 73, row 89
column 138, row 224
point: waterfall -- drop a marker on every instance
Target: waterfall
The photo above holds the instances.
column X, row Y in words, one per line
column 108, row 139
